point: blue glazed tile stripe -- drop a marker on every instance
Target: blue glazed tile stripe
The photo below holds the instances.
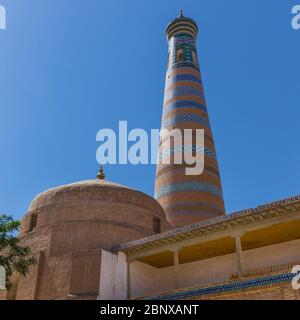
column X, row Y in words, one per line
column 183, row 91
column 208, row 170
column 183, row 77
column 184, row 104
column 217, row 289
column 179, row 65
column 187, row 148
column 188, row 187
column 185, row 117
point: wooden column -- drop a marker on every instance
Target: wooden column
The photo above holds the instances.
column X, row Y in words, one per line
column 128, row 280
column 176, row 269
column 238, row 248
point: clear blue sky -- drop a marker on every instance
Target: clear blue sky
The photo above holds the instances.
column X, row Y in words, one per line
column 71, row 67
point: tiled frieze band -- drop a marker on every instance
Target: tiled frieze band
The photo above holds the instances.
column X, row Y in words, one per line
column 193, row 186
column 183, row 91
column 187, row 148
column 168, row 169
column 170, row 101
column 184, row 40
column 179, row 65
column 227, row 287
column 185, row 104
column 183, row 77
column 189, row 69
column 207, row 138
column 185, row 117
column 174, row 85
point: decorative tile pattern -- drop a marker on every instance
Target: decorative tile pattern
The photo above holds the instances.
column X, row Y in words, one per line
column 182, row 65
column 188, row 186
column 184, row 104
column 185, row 39
column 185, row 117
column 227, row 287
column 183, row 77
column 208, row 169
column 206, row 136
column 186, row 44
column 183, row 91
column 187, row 148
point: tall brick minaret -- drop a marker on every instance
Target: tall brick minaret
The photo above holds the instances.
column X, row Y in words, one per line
column 187, row 199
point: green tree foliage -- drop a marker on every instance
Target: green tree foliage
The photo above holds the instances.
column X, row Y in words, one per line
column 13, row 257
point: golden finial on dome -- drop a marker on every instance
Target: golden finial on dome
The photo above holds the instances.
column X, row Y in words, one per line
column 101, row 175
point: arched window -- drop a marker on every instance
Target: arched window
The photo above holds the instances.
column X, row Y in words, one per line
column 169, row 62
column 179, row 55
column 32, row 222
column 156, row 225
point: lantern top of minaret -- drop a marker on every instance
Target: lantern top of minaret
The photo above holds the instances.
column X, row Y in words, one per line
column 182, row 25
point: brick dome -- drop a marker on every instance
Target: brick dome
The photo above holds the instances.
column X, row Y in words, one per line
column 67, row 227
column 95, row 188
column 98, row 201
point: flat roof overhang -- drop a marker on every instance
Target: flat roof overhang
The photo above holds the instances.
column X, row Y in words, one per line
column 264, row 226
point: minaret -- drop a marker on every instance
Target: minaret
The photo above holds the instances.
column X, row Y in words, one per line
column 187, row 199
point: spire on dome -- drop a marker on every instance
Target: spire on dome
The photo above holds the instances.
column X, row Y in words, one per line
column 101, row 175
column 181, row 14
